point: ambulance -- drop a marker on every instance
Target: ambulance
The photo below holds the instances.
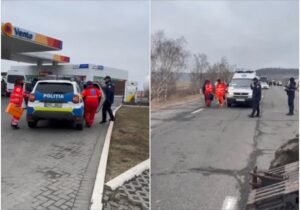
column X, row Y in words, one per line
column 239, row 89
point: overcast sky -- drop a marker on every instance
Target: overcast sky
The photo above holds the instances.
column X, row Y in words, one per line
column 110, row 33
column 251, row 34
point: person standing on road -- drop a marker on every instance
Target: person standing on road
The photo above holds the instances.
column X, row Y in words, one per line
column 256, row 97
column 3, row 88
column 290, row 91
column 16, row 99
column 220, row 92
column 92, row 98
column 33, row 82
column 109, row 99
column 208, row 92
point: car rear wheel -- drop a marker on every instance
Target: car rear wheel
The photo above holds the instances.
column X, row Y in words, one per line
column 79, row 126
column 32, row 124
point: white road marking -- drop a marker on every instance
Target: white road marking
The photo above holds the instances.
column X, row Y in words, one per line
column 96, row 199
column 128, row 175
column 196, row 111
column 229, row 203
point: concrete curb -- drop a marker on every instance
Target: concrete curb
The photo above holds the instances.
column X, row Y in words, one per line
column 128, row 175
column 96, row 199
column 136, row 106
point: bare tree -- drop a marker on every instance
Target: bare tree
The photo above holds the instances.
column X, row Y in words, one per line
column 220, row 70
column 168, row 58
column 200, row 66
column 225, row 70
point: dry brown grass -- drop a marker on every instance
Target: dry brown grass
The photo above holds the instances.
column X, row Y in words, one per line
column 183, row 95
column 130, row 140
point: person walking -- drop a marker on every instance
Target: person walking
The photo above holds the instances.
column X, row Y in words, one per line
column 290, row 91
column 208, row 92
column 220, row 92
column 92, row 98
column 256, row 97
column 109, row 91
column 15, row 102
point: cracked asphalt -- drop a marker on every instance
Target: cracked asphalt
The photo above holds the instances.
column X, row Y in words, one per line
column 51, row 167
column 199, row 159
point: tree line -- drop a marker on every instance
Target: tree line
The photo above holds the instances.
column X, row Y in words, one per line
column 169, row 57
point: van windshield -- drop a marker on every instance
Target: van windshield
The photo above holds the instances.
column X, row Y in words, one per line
column 240, row 83
column 12, row 78
column 55, row 88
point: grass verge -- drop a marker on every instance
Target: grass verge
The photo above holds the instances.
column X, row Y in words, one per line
column 130, row 140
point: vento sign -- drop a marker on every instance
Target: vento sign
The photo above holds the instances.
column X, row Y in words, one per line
column 10, row 30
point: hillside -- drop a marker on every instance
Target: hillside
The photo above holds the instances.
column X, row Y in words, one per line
column 278, row 73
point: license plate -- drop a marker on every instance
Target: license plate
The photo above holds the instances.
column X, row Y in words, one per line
column 53, row 105
column 240, row 99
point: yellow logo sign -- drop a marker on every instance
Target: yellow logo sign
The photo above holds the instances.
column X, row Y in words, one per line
column 7, row 28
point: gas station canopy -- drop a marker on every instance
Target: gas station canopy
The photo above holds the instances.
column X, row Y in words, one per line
column 25, row 46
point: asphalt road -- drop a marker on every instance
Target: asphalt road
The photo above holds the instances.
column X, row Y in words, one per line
column 50, row 167
column 201, row 157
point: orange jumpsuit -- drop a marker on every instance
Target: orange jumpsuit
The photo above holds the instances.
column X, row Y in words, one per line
column 220, row 93
column 91, row 97
column 208, row 89
column 16, row 98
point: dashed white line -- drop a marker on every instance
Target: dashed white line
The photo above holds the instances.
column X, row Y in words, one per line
column 196, row 111
column 229, row 203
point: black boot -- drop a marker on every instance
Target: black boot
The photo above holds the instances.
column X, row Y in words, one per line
column 15, row 126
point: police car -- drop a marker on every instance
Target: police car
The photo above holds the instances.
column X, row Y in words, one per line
column 239, row 90
column 55, row 99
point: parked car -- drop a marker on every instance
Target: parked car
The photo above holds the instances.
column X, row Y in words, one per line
column 55, row 99
column 264, row 85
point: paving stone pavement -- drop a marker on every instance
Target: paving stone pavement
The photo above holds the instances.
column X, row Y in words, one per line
column 132, row 195
column 61, row 181
column 51, row 167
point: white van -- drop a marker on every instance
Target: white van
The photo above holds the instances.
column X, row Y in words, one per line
column 239, row 89
column 26, row 74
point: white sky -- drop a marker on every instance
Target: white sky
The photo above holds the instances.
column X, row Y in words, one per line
column 109, row 33
column 251, row 34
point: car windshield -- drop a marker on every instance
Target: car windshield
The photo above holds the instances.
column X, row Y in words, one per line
column 12, row 78
column 240, row 83
column 57, row 88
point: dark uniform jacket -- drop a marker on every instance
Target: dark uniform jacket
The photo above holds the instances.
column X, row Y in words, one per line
column 290, row 89
column 109, row 91
column 256, row 91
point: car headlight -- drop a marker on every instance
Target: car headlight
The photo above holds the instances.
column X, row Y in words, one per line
column 229, row 94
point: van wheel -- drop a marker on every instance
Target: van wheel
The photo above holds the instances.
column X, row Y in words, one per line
column 32, row 124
